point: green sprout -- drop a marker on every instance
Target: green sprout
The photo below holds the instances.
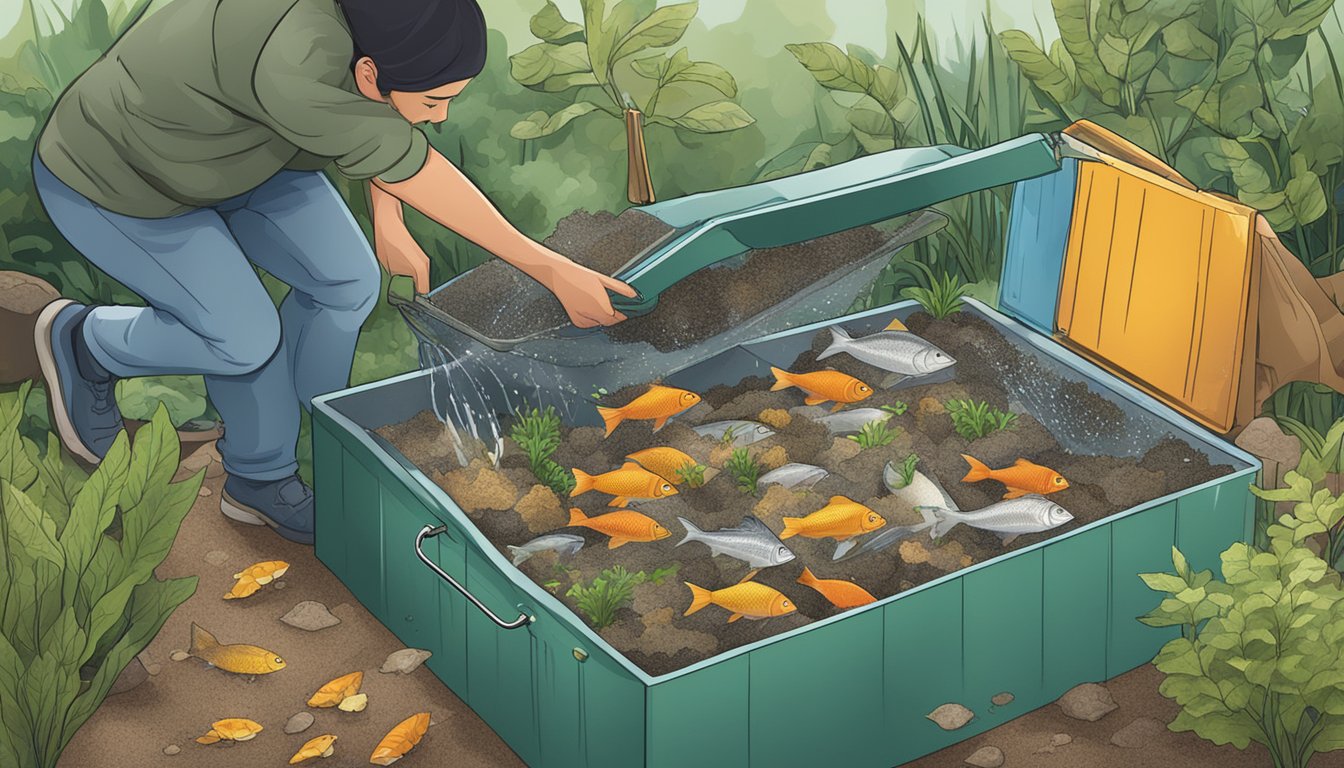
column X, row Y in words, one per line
column 744, row 469
column 942, row 297
column 552, row 585
column 727, row 439
column 899, row 408
column 663, row 574
column 907, row 469
column 874, row 434
column 537, row 432
column 599, row 393
column 606, row 595
column 974, row 420
column 692, row 474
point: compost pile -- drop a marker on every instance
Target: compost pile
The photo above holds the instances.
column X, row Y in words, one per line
column 500, row 302
column 511, row 507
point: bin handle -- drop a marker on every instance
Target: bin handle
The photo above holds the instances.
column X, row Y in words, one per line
column 428, row 531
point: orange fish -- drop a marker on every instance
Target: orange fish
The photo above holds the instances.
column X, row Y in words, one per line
column 745, row 598
column 1020, row 479
column 624, row 526
column 842, row 518
column 659, row 403
column 629, row 482
column 841, row 593
column 663, row 461
column 822, row 386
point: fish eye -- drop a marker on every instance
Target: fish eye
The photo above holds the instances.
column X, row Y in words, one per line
column 786, row 604
column 1059, row 480
column 864, row 388
column 279, row 660
column 667, row 488
column 872, row 518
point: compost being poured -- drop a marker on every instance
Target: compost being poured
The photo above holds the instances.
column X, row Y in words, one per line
column 694, row 522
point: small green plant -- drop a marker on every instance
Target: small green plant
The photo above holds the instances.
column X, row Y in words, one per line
column 728, row 435
column 663, row 574
column 607, row 594
column 599, row 393
column 537, row 432
column 943, row 297
column 899, row 408
column 744, row 469
column 552, row 585
column 1316, row 512
column 907, row 469
column 79, row 603
column 874, row 434
column 693, row 474
column 974, row 420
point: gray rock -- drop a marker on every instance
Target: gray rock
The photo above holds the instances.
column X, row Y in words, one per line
column 133, row 675
column 299, row 723
column 216, row 557
column 279, row 585
column 986, row 757
column 1002, row 699
column 1140, row 733
column 1263, row 438
column 179, row 655
column 950, row 717
column 405, row 661
column 1088, row 701
column 205, row 491
column 311, row 616
column 1060, row 739
column 171, row 749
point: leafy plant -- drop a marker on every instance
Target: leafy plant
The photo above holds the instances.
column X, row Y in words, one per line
column 1261, row 653
column 974, row 420
column 898, row 408
column 537, row 432
column 744, row 469
column 1316, row 512
column 942, row 298
column 606, row 595
column 595, row 60
column 907, row 469
column 874, row 434
column 77, row 604
column 184, row 396
column 660, row 575
column 1321, row 454
column 693, row 474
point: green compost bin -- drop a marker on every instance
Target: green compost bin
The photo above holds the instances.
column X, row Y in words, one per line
column 853, row 690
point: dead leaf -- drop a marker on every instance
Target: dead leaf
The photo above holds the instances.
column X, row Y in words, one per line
column 401, row 739
column 338, row 690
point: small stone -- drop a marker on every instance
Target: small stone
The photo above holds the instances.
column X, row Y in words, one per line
column 311, row 616
column 1140, row 733
column 133, row 675
column 216, row 557
column 279, row 585
column 986, row 757
column 1088, row 701
column 950, row 717
column 405, row 661
column 355, row 703
column 299, row 723
column 153, row 669
column 1263, row 438
column 171, row 749
column 179, row 655
column 719, row 454
column 204, row 492
column 1060, row 739
column 1002, row 699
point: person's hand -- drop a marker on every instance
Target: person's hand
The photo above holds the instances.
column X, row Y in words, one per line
column 403, row 256
column 583, row 292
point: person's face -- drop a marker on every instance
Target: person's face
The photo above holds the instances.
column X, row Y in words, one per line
column 417, row 107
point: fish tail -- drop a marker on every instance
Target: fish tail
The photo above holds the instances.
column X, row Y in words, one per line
column 611, row 417
column 692, row 531
column 808, row 579
column 783, row 380
column 791, row 527
column 201, row 640
column 700, row 597
column 930, row 520
column 977, row 472
column 520, row 555
column 583, row 482
column 838, row 341
column 576, row 517
column 943, row 521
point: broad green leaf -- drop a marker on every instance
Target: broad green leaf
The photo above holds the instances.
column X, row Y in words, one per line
column 659, row 29
column 62, row 480
column 715, row 117
column 155, row 453
column 538, row 63
column 598, row 36
column 1075, row 30
column 1186, row 40
column 651, row 67
column 706, row 73
column 1306, row 197
column 832, row 67
column 539, row 124
column 561, row 83
column 1043, row 72
column 549, row 25
column 92, row 513
column 888, row 87
column 1163, row 582
column 30, row 531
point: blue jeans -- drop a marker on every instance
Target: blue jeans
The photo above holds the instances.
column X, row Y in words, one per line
column 209, row 314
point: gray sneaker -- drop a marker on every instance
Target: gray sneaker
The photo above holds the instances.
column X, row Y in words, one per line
column 285, row 505
column 83, row 402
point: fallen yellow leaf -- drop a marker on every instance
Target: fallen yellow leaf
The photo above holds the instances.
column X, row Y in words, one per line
column 338, row 690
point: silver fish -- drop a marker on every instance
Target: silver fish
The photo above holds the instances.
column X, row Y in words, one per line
column 848, row 422
column 743, row 432
column 900, row 352
column 920, row 495
column 560, row 543
column 750, row 541
column 1009, row 518
column 888, row 536
column 794, row 476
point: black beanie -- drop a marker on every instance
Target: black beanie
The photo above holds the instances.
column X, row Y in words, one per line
column 418, row 45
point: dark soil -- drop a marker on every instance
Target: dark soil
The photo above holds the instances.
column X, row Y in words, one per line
column 652, row 631
column 501, row 302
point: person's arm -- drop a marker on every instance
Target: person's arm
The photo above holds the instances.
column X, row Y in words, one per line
column 443, row 193
column 396, row 250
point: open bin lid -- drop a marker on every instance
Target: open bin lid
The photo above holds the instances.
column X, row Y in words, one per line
column 1151, row 279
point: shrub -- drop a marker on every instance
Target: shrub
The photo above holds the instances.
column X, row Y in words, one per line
column 874, row 434
column 77, row 604
column 942, row 298
column 537, row 432
column 606, row 595
column 744, row 469
column 974, row 420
